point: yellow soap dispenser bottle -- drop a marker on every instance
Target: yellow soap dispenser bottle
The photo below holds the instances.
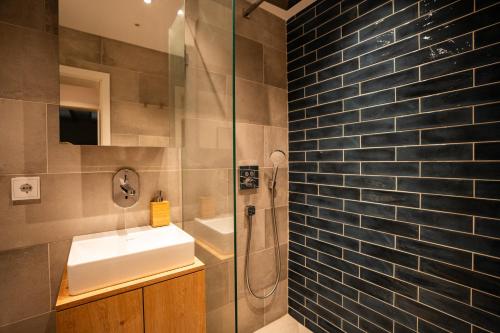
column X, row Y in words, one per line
column 160, row 211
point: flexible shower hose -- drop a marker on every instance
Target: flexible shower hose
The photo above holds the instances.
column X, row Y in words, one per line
column 277, row 254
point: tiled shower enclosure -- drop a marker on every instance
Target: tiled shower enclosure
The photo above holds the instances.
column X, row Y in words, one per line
column 394, row 121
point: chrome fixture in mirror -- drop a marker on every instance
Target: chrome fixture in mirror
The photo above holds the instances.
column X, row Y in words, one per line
column 125, row 187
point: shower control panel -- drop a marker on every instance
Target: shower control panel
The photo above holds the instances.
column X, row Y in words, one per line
column 249, row 177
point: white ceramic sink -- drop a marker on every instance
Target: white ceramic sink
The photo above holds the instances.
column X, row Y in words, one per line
column 104, row 259
column 217, row 232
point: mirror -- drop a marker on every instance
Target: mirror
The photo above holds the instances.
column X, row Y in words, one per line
column 121, row 71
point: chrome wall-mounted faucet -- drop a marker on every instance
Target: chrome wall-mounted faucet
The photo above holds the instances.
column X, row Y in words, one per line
column 125, row 187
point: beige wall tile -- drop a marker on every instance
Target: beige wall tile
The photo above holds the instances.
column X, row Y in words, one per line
column 116, row 53
column 124, row 140
column 258, row 232
column 24, row 276
column 22, row 137
column 276, row 305
column 250, row 315
column 58, row 256
column 262, row 271
column 221, row 320
column 23, row 233
column 135, row 118
column 282, row 224
column 204, row 183
column 154, row 89
column 205, row 144
column 11, row 58
column 275, row 138
column 284, row 262
column 251, row 102
column 252, row 311
column 153, row 141
column 260, row 104
column 275, row 67
column 249, row 144
column 218, row 285
column 95, row 158
column 169, row 182
column 262, row 27
column 44, row 323
column 209, row 47
column 29, row 68
column 34, row 14
column 250, row 56
column 40, row 70
column 218, row 12
column 124, row 83
column 277, row 104
column 207, row 96
column 76, row 46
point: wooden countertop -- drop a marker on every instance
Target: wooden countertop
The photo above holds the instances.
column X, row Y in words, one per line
column 66, row 301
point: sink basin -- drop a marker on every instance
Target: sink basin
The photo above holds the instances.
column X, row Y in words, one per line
column 217, row 232
column 104, row 259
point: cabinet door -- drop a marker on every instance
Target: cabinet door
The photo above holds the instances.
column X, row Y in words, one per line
column 176, row 305
column 116, row 314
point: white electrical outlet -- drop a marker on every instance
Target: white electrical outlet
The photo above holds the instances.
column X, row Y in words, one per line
column 25, row 188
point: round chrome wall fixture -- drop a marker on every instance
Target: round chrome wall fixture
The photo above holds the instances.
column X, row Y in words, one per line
column 126, row 187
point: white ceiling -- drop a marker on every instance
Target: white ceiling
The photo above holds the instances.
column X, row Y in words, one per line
column 286, row 14
column 117, row 19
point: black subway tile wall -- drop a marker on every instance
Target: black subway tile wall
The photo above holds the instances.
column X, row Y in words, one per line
column 394, row 131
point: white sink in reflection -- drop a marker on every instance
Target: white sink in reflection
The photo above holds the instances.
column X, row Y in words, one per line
column 104, row 259
column 217, row 232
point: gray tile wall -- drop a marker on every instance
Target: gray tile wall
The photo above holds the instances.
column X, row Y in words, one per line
column 75, row 181
column 395, row 146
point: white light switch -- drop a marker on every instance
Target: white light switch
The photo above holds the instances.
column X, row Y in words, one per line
column 25, row 188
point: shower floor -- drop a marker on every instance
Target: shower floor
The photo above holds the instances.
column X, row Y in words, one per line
column 284, row 324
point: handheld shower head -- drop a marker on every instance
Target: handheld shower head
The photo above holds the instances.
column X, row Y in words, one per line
column 277, row 157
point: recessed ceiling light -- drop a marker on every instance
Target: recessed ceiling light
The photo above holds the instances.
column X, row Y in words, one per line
column 147, row 1
column 180, row 12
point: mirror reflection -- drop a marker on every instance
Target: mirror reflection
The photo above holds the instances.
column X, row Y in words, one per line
column 121, row 71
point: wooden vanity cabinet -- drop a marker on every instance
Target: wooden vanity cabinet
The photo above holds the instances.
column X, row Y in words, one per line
column 170, row 302
column 120, row 313
column 177, row 305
